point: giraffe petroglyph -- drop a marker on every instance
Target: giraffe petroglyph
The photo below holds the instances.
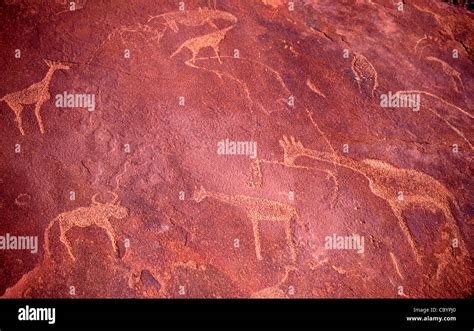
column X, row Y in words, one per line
column 37, row 93
column 385, row 180
column 257, row 209
column 194, row 18
column 195, row 45
column 97, row 214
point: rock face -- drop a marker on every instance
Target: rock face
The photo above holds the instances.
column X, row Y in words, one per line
column 312, row 148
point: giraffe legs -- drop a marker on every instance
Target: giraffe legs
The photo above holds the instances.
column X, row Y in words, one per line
column 17, row 109
column 38, row 115
column 256, row 236
column 289, row 239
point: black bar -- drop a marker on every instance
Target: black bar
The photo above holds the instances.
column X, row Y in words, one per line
column 224, row 314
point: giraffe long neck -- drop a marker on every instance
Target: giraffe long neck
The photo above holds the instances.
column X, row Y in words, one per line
column 349, row 163
column 223, row 197
column 48, row 77
column 342, row 161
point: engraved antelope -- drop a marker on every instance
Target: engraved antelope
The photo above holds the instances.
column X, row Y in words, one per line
column 97, row 214
column 37, row 93
column 195, row 45
column 194, row 18
column 257, row 209
column 385, row 180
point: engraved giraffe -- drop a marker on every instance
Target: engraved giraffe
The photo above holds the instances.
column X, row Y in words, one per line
column 257, row 209
column 37, row 93
column 97, row 214
column 195, row 45
column 385, row 180
column 194, row 18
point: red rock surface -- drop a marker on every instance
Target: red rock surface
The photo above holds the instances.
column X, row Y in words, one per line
column 167, row 247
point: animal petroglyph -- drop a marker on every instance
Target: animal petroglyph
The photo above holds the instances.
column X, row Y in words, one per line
column 37, row 93
column 258, row 209
column 385, row 181
column 195, row 45
column 442, row 117
column 364, row 70
column 450, row 71
column 194, row 18
column 97, row 214
column 244, row 86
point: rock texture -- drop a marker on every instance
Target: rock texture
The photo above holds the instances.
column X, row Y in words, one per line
column 132, row 199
